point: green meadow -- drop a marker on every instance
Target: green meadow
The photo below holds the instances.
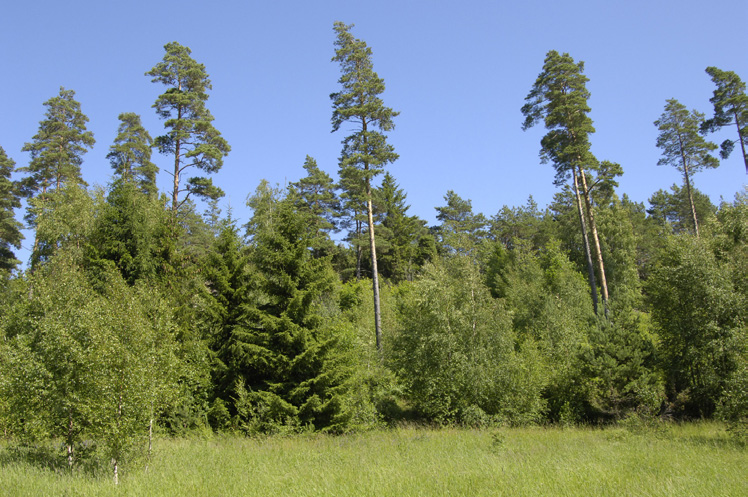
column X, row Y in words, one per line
column 679, row 459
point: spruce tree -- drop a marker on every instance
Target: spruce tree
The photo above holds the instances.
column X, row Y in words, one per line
column 190, row 136
column 278, row 354
column 402, row 233
column 10, row 228
column 316, row 192
column 365, row 151
column 130, row 155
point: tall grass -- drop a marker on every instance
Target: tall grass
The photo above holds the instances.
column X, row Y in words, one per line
column 683, row 460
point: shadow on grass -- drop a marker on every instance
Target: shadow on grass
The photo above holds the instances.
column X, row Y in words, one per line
column 53, row 457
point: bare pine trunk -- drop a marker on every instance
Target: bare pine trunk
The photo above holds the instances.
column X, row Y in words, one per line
column 374, row 270
column 596, row 239
column 690, row 200
column 359, row 250
column 585, row 239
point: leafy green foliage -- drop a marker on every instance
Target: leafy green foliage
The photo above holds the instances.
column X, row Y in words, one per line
column 456, row 351
column 83, row 365
column 698, row 313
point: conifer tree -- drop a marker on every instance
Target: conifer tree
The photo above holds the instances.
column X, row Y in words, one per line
column 461, row 230
column 673, row 208
column 190, row 138
column 56, row 154
column 559, row 98
column 10, row 228
column 366, row 151
column 401, row 232
column 58, row 147
column 683, row 147
column 130, row 155
column 730, row 107
column 276, row 352
column 353, row 214
column 316, row 192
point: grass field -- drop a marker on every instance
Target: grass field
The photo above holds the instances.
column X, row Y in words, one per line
column 684, row 460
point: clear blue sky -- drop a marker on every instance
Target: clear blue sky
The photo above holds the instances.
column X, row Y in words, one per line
column 458, row 73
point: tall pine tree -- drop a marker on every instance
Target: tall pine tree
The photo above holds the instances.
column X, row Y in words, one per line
column 56, row 154
column 730, row 107
column 190, row 136
column 683, row 146
column 365, row 151
column 559, row 98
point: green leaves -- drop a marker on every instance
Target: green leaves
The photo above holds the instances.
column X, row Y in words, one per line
column 94, row 365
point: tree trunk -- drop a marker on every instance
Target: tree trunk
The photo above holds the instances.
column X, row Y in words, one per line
column 742, row 142
column 374, row 271
column 359, row 250
column 177, row 151
column 70, row 440
column 585, row 239
column 596, row 239
column 690, row 200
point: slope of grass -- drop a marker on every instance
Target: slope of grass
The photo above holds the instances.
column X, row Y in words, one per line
column 688, row 460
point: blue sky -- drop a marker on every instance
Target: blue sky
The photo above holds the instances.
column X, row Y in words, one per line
column 458, row 72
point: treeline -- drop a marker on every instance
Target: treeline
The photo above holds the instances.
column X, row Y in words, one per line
column 137, row 312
